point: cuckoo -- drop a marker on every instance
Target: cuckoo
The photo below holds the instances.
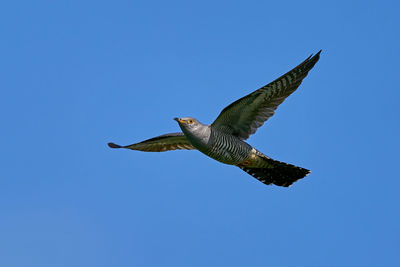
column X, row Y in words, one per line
column 224, row 139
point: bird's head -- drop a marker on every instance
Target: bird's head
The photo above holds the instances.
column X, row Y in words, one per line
column 188, row 123
column 193, row 129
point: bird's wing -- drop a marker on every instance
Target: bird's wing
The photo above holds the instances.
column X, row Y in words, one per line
column 171, row 141
column 244, row 116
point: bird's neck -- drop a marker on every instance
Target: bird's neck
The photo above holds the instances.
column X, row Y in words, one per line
column 199, row 136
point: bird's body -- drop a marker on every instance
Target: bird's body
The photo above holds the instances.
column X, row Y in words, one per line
column 230, row 149
column 223, row 140
column 218, row 145
column 227, row 148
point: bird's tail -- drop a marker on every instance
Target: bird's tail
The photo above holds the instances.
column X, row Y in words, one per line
column 277, row 173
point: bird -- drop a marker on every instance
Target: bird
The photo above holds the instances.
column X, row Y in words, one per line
column 224, row 139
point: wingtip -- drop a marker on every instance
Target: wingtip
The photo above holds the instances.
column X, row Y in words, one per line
column 312, row 56
column 317, row 54
column 112, row 145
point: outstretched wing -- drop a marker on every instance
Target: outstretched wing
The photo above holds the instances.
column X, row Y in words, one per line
column 244, row 116
column 171, row 141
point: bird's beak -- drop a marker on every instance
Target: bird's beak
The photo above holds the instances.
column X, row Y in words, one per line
column 179, row 120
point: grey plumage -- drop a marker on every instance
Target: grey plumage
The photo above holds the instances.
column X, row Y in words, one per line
column 223, row 140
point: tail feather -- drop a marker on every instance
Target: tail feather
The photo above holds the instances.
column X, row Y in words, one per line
column 277, row 173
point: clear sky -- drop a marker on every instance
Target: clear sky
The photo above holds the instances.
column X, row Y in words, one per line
column 78, row 74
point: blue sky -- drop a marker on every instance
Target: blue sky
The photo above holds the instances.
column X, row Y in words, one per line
column 78, row 74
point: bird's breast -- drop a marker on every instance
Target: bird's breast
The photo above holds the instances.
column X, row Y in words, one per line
column 227, row 148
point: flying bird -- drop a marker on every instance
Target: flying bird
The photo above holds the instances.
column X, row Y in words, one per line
column 224, row 139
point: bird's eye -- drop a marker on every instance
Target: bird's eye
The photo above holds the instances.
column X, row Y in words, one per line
column 190, row 121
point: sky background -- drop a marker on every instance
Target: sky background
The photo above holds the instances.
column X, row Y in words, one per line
column 78, row 74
